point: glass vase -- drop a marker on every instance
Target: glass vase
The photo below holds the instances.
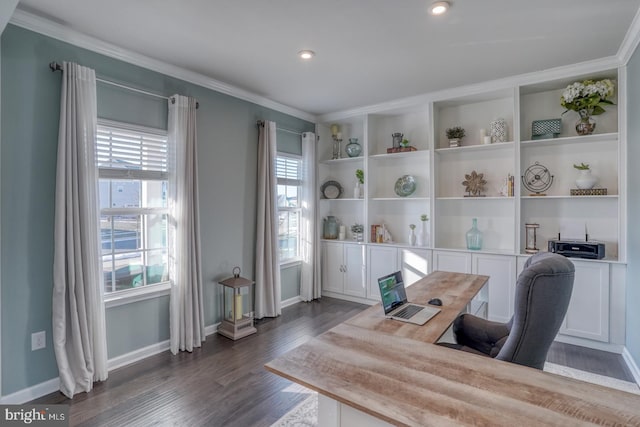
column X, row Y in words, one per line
column 474, row 236
column 586, row 124
column 353, row 148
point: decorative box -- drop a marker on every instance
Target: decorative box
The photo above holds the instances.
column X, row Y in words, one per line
column 401, row 149
column 498, row 130
column 588, row 191
column 544, row 129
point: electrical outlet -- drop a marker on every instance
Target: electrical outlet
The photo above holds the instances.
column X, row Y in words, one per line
column 38, row 340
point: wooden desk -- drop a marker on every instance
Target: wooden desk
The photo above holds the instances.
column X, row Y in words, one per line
column 371, row 371
column 455, row 290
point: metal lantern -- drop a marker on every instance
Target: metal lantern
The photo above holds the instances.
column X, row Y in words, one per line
column 531, row 238
column 237, row 307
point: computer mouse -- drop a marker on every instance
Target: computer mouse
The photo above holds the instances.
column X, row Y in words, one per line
column 435, row 301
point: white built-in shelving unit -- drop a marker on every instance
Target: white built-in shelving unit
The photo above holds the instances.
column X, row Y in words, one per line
column 439, row 172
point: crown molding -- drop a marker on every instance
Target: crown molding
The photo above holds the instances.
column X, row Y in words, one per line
column 58, row 31
column 567, row 71
column 630, row 41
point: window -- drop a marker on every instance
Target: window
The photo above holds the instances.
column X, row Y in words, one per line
column 289, row 177
column 132, row 167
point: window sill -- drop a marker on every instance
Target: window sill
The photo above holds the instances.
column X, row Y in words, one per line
column 135, row 295
column 290, row 263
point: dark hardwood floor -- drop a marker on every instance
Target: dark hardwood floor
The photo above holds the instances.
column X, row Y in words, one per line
column 224, row 383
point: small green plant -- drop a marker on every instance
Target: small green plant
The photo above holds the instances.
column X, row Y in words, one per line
column 412, row 226
column 424, row 217
column 581, row 167
column 455, row 132
column 405, row 143
column 360, row 175
column 357, row 228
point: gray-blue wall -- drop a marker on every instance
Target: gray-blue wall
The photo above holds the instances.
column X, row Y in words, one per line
column 227, row 157
column 633, row 207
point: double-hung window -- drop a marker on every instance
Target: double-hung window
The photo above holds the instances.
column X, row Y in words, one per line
column 132, row 166
column 289, row 177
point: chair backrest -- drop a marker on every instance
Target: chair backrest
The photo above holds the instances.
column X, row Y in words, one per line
column 543, row 291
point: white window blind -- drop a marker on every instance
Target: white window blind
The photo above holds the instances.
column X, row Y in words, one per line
column 131, row 153
column 289, row 170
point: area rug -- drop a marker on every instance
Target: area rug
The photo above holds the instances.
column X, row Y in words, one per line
column 305, row 414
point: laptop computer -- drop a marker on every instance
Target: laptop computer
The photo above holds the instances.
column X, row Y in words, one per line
column 395, row 304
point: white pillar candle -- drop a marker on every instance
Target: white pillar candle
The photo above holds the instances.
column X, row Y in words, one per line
column 487, row 140
column 238, row 307
column 339, row 135
column 335, row 129
column 483, row 133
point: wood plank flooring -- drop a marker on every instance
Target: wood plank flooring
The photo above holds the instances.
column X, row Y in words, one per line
column 224, row 383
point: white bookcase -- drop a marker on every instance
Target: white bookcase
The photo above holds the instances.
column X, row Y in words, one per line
column 440, row 170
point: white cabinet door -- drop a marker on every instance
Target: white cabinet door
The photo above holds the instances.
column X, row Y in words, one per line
column 353, row 267
column 381, row 260
column 501, row 270
column 588, row 313
column 332, row 267
column 414, row 264
column 456, row 262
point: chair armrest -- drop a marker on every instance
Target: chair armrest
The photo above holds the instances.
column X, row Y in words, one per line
column 480, row 334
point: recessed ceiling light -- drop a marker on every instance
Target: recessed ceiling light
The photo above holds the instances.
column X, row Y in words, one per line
column 439, row 7
column 306, row 54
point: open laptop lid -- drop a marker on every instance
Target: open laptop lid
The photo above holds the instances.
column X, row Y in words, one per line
column 392, row 291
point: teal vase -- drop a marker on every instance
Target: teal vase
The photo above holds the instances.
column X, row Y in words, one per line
column 474, row 237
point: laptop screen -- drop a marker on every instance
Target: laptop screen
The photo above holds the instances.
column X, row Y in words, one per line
column 392, row 291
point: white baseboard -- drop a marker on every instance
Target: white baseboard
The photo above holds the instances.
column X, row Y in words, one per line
column 631, row 364
column 596, row 345
column 53, row 385
column 291, row 301
column 30, row 393
column 137, row 355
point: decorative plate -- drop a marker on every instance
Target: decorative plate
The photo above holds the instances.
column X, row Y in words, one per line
column 405, row 186
column 331, row 190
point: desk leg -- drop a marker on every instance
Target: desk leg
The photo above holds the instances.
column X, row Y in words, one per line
column 331, row 413
column 328, row 412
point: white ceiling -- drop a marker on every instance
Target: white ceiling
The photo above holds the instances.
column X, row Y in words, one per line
column 367, row 51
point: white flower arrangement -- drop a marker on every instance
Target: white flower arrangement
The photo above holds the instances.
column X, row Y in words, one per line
column 588, row 95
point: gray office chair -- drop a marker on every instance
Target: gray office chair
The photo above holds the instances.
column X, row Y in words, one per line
column 543, row 291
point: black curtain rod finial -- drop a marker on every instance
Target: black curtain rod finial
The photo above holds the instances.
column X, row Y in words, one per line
column 55, row 66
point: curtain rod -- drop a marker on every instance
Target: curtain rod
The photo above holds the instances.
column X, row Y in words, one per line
column 261, row 123
column 57, row 67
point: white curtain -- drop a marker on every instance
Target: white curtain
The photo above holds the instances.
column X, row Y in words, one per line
column 186, row 306
column 267, row 269
column 310, row 275
column 79, row 333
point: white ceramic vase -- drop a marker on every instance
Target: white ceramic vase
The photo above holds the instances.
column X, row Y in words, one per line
column 422, row 238
column 412, row 237
column 586, row 180
column 357, row 191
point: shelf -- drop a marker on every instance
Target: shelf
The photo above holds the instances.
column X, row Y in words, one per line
column 477, row 147
column 398, row 199
column 608, row 196
column 409, row 154
column 342, row 199
column 604, row 137
column 476, row 198
column 342, row 160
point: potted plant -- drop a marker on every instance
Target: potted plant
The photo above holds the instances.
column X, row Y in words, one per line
column 357, row 191
column 455, row 135
column 588, row 99
column 585, row 179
